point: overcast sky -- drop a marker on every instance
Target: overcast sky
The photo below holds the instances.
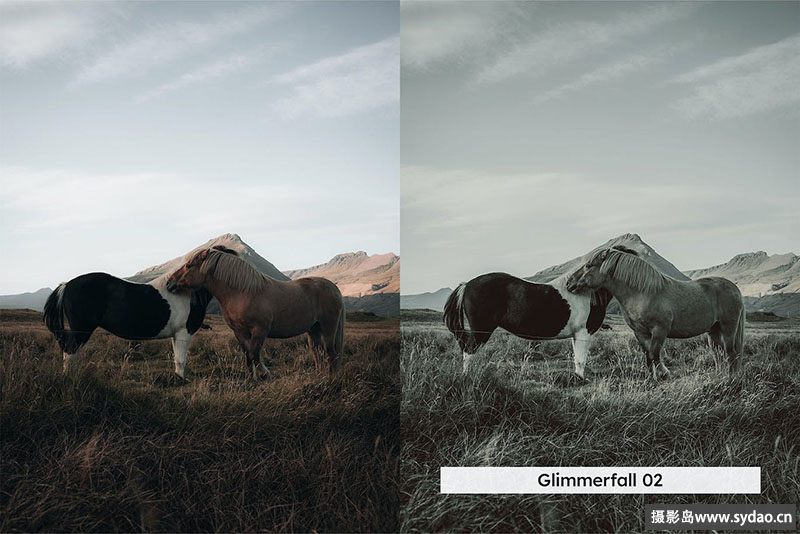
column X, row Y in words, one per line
column 130, row 133
column 533, row 132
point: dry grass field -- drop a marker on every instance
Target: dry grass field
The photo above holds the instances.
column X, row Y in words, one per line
column 517, row 408
column 116, row 445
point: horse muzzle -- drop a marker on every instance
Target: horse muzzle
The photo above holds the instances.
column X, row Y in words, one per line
column 572, row 286
column 172, row 286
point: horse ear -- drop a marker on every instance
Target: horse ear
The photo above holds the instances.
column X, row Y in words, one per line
column 603, row 254
column 203, row 254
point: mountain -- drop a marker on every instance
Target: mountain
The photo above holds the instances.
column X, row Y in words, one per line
column 232, row 241
column 358, row 274
column 632, row 241
column 31, row 301
column 768, row 283
column 368, row 283
column 758, row 274
column 436, row 300
column 430, row 301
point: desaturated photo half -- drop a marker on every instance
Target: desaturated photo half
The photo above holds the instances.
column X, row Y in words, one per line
column 599, row 226
column 199, row 315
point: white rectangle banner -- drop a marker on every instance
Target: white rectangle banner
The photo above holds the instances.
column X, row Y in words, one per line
column 639, row 480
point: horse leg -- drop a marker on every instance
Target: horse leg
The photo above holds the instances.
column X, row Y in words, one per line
column 76, row 338
column 316, row 346
column 244, row 342
column 644, row 343
column 180, row 346
column 255, row 358
column 728, row 337
column 580, row 350
column 477, row 340
column 656, row 342
column 715, row 342
column 332, row 332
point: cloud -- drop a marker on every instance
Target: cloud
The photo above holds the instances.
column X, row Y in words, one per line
column 362, row 79
column 764, row 78
column 629, row 64
column 57, row 200
column 229, row 64
column 453, row 200
column 437, row 32
column 122, row 222
column 169, row 42
column 34, row 32
column 458, row 223
column 565, row 43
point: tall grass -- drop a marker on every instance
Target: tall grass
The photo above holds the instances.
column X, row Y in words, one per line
column 115, row 445
column 514, row 409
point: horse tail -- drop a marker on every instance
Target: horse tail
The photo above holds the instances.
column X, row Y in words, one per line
column 738, row 341
column 54, row 315
column 339, row 339
column 454, row 317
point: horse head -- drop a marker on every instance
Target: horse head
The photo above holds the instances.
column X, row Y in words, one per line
column 589, row 275
column 189, row 275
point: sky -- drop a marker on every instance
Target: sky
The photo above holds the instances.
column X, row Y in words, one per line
column 131, row 133
column 534, row 132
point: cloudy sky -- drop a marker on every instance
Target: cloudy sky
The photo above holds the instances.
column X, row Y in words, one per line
column 132, row 132
column 533, row 132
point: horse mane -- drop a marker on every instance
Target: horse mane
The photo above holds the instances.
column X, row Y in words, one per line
column 631, row 270
column 230, row 269
column 223, row 248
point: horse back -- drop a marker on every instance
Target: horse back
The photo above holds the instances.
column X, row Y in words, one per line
column 523, row 308
column 321, row 288
column 126, row 309
column 724, row 293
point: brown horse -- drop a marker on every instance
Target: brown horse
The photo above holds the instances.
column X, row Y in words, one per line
column 656, row 306
column 257, row 307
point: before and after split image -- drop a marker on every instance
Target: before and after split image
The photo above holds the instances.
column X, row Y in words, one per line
column 205, row 325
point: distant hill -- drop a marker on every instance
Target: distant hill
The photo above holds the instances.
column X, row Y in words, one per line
column 430, row 301
column 232, row 241
column 383, row 304
column 31, row 301
column 769, row 284
column 436, row 300
column 758, row 274
column 368, row 283
column 632, row 241
column 358, row 274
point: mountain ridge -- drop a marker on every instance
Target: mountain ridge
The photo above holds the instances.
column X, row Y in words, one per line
column 232, row 241
column 357, row 274
column 769, row 283
column 378, row 294
column 757, row 274
column 632, row 241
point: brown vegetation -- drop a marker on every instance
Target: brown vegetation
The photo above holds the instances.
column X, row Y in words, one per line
column 117, row 445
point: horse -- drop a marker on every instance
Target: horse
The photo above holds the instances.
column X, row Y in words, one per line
column 128, row 310
column 527, row 310
column 657, row 307
column 257, row 307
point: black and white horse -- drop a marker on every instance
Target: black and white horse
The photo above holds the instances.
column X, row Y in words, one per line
column 129, row 310
column 526, row 309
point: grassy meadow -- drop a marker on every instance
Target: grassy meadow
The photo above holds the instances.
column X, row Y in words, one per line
column 117, row 445
column 516, row 407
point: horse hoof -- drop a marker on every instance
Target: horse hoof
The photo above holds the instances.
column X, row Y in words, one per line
column 172, row 379
column 570, row 379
